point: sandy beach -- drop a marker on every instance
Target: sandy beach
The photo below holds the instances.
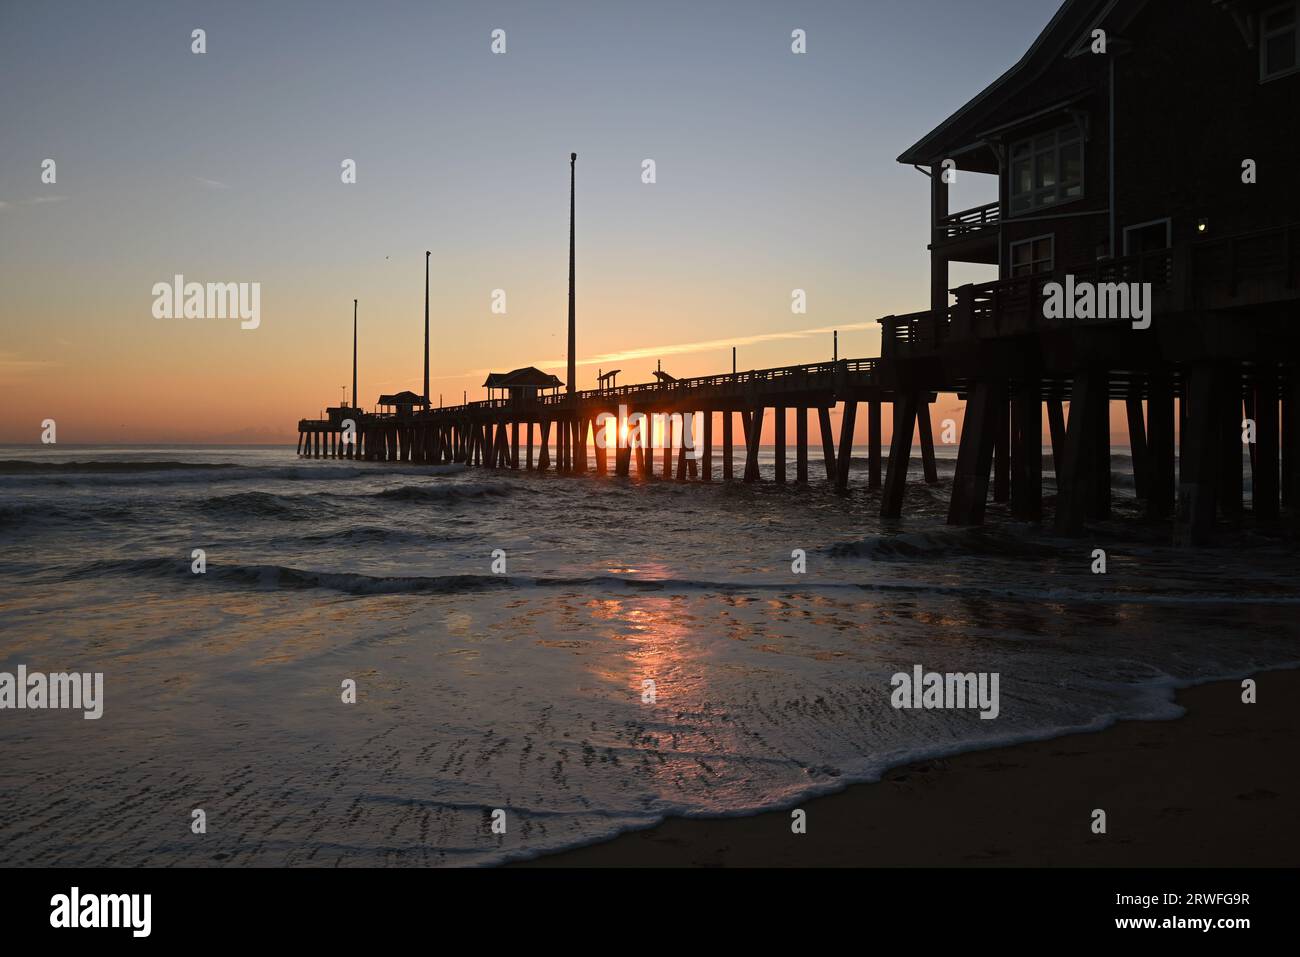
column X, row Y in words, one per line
column 1217, row 787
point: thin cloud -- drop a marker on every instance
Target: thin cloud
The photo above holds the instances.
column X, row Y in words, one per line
column 210, row 183
column 690, row 348
column 33, row 201
column 11, row 363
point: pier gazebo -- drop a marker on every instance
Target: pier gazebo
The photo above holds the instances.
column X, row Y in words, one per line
column 521, row 385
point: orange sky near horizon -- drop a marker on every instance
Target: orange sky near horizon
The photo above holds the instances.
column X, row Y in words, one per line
column 228, row 170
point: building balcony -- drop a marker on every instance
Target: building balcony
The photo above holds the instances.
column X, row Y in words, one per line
column 1233, row 272
column 970, row 235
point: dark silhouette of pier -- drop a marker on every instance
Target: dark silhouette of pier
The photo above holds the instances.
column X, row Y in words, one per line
column 1085, row 140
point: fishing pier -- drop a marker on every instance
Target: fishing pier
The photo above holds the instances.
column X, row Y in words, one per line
column 1186, row 331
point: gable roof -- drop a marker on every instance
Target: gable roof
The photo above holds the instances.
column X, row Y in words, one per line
column 402, row 398
column 1053, row 43
column 529, row 377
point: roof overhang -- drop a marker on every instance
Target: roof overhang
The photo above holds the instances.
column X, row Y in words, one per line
column 1058, row 36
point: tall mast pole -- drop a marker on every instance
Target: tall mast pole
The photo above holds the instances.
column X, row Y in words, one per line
column 573, row 324
column 354, row 355
column 427, row 254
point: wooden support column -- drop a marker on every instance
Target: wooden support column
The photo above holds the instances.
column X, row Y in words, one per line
column 926, row 434
column 1232, row 469
column 970, row 486
column 643, row 454
column 299, row 442
column 1184, row 402
column 706, row 462
column 900, row 453
column 801, row 445
column 828, row 441
column 1160, row 445
column 1291, row 440
column 1201, row 443
column 666, row 440
column 728, row 449
column 1099, row 472
column 1264, row 478
column 514, row 444
column 528, row 450
column 779, row 413
column 844, row 458
column 1056, row 426
column 873, row 442
column 1251, row 447
column 753, row 433
column 544, row 447
column 580, row 445
column 599, row 438
column 1002, row 454
column 623, row 454
column 1137, row 441
column 1074, row 484
column 1027, row 452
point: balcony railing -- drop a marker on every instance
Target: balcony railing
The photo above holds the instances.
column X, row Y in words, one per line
column 1008, row 307
column 970, row 221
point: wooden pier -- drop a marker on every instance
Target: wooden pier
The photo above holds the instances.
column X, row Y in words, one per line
column 673, row 419
column 1104, row 181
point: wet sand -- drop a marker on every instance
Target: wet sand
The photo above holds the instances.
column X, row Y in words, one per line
column 1219, row 787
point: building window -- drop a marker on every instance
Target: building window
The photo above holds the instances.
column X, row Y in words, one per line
column 1279, row 41
column 1031, row 256
column 1047, row 169
column 1147, row 237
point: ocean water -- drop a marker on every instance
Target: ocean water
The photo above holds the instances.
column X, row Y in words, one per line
column 524, row 692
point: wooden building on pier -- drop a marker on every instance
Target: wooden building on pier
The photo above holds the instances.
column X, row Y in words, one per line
column 1144, row 141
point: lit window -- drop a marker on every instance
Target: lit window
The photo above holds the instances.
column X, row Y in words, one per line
column 1031, row 256
column 1046, row 170
column 1279, row 40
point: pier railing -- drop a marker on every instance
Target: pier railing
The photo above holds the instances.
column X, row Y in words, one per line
column 810, row 377
column 970, row 221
